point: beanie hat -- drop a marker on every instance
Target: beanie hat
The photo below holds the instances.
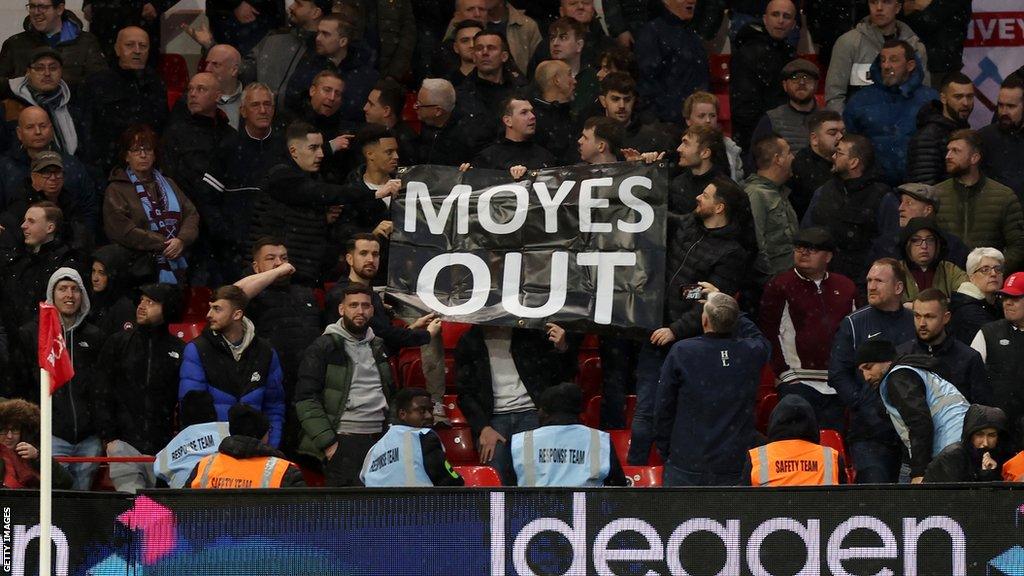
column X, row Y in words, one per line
column 169, row 296
column 244, row 420
column 876, row 351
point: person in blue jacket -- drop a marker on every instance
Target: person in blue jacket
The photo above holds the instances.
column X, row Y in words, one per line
column 230, row 362
column 886, row 111
column 704, row 423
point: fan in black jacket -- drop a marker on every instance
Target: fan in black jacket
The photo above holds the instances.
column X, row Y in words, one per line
column 965, row 461
column 926, row 151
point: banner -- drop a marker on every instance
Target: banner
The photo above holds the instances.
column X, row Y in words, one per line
column 994, row 49
column 583, row 246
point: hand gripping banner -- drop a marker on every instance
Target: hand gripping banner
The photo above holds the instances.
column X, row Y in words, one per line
column 583, row 246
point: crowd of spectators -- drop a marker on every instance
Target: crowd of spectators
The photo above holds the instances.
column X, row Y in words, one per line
column 838, row 223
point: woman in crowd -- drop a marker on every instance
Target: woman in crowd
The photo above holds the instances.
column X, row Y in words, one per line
column 974, row 303
column 19, row 458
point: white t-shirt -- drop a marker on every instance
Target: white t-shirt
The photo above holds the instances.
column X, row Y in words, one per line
column 509, row 391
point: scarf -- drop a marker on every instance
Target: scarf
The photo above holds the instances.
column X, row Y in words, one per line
column 56, row 105
column 164, row 215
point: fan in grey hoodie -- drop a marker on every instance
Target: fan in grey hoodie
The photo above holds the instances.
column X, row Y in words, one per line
column 853, row 54
column 367, row 406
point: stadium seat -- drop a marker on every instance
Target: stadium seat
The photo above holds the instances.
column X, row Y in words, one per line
column 590, row 343
column 409, row 114
column 591, row 415
column 321, row 297
column 643, row 476
column 451, row 332
column 630, row 409
column 719, row 68
column 458, row 446
column 313, row 478
column 197, row 303
column 455, row 415
column 187, row 331
column 834, row 440
column 479, row 476
column 589, row 377
column 763, row 411
column 174, row 71
column 620, row 442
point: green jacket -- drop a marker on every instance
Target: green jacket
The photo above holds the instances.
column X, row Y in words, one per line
column 948, row 277
column 322, row 387
column 775, row 222
column 986, row 214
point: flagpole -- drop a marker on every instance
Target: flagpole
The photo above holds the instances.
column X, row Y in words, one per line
column 45, row 471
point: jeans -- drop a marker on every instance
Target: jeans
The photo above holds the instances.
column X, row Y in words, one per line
column 507, row 425
column 875, row 462
column 828, row 408
column 81, row 473
column 679, row 477
column 648, row 374
column 618, row 376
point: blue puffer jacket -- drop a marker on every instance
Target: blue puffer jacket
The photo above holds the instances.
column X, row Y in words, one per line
column 888, row 116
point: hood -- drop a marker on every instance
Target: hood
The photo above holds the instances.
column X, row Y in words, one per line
column 337, row 329
column 922, row 361
column 70, row 274
column 248, row 335
column 914, row 226
column 932, row 113
column 246, row 447
column 793, row 419
column 71, row 26
column 908, row 87
column 115, row 259
column 979, row 417
column 19, row 87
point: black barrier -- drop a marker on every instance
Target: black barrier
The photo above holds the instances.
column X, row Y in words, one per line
column 580, row 245
column 856, row 531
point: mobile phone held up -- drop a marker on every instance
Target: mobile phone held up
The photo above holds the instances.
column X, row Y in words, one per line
column 691, row 292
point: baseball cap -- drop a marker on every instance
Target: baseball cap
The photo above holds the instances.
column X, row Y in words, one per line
column 45, row 52
column 1014, row 285
column 920, row 192
column 815, row 237
column 800, row 66
column 47, row 159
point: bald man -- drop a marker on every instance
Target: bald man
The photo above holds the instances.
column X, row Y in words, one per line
column 759, row 54
column 131, row 93
column 556, row 87
column 224, row 62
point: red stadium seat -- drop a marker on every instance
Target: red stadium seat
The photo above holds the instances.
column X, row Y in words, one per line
column 479, row 476
column 630, row 409
column 197, row 303
column 591, row 415
column 455, row 415
column 763, row 411
column 767, row 385
column 719, row 66
column 589, row 377
column 174, row 71
column 458, row 446
column 187, row 331
column 451, row 332
column 644, row 476
column 590, row 343
column 409, row 114
column 834, row 440
column 313, row 478
column 321, row 297
column 620, row 442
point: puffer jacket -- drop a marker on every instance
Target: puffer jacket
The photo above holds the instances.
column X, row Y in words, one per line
column 961, row 462
column 853, row 55
column 80, row 50
column 1002, row 150
column 887, row 115
column 755, row 84
column 291, row 318
column 926, row 151
column 775, row 222
column 947, row 276
column 985, row 214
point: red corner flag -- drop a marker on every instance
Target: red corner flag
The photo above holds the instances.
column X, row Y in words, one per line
column 53, row 353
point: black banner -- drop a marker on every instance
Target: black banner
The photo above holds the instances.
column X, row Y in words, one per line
column 580, row 245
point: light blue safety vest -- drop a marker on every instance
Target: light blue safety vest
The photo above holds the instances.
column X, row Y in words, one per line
column 175, row 462
column 945, row 403
column 568, row 455
column 397, row 459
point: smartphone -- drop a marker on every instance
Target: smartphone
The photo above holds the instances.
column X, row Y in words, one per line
column 691, row 292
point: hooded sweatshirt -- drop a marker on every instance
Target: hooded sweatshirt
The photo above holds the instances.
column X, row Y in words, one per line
column 793, row 419
column 112, row 309
column 940, row 272
column 364, row 412
column 961, row 462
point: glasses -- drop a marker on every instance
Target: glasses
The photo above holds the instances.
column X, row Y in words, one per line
column 930, row 241
column 141, row 150
column 806, row 250
column 417, row 105
column 40, row 68
column 38, row 7
column 59, row 175
column 802, row 78
column 986, row 270
column 9, row 431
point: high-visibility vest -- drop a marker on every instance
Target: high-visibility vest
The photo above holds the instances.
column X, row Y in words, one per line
column 794, row 463
column 1013, row 469
column 223, row 471
column 564, row 455
column 397, row 459
column 945, row 403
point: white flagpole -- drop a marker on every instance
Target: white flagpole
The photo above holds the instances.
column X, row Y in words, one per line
column 45, row 471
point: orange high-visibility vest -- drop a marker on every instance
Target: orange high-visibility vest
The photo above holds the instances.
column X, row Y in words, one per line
column 223, row 471
column 1013, row 469
column 794, row 463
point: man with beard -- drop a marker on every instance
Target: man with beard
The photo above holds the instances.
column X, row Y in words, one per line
column 812, row 166
column 851, row 206
column 981, row 455
column 789, row 120
column 1003, row 141
column 872, row 441
column 287, row 313
column 696, row 151
column 926, row 151
column 885, row 111
column 137, row 386
column 926, row 411
column 995, row 217
column 960, row 364
column 344, row 390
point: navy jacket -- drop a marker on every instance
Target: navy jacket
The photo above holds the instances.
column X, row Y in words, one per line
column 673, row 65
column 704, row 419
column 868, row 419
